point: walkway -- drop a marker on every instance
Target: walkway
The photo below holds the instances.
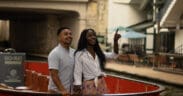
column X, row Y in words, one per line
column 146, row 72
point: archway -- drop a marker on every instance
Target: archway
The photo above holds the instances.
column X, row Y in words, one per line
column 34, row 31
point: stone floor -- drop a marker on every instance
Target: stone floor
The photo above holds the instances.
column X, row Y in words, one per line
column 148, row 72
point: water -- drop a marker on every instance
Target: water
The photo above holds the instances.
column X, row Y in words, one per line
column 171, row 90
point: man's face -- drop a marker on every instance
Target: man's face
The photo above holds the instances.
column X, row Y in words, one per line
column 65, row 37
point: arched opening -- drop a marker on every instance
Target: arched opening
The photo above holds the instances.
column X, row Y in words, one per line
column 34, row 31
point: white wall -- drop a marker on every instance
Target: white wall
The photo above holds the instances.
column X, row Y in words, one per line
column 123, row 14
column 149, row 40
column 178, row 38
column 120, row 14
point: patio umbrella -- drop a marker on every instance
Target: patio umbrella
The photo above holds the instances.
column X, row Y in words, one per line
column 128, row 33
column 120, row 28
column 133, row 34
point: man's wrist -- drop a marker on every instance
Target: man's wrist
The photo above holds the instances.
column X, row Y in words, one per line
column 62, row 89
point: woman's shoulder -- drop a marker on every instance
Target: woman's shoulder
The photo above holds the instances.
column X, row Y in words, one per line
column 79, row 53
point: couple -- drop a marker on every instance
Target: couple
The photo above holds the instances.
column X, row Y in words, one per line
column 84, row 65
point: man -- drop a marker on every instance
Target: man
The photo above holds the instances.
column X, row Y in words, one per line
column 61, row 63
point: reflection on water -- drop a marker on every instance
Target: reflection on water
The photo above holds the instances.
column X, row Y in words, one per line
column 172, row 91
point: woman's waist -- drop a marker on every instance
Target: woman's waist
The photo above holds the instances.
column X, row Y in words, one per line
column 93, row 77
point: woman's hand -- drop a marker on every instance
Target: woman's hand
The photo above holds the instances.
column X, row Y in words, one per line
column 116, row 36
column 77, row 89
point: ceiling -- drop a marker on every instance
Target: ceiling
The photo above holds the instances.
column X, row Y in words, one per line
column 142, row 4
column 18, row 13
column 174, row 16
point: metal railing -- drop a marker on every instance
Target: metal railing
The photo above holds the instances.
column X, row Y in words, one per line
column 179, row 50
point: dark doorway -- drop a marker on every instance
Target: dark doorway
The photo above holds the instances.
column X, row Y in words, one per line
column 167, row 41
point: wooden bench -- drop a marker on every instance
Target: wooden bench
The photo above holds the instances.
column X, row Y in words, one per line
column 123, row 57
column 134, row 58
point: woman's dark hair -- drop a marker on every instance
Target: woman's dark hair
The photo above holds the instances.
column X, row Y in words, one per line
column 82, row 44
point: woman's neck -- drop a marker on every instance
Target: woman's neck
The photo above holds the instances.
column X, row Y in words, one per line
column 90, row 49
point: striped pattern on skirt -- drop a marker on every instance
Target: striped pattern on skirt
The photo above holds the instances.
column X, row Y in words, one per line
column 89, row 88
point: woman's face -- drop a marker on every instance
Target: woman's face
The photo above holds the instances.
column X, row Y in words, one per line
column 91, row 38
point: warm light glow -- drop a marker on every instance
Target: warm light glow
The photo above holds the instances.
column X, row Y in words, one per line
column 122, row 1
column 164, row 30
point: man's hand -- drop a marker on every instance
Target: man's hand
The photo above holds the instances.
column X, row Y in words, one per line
column 116, row 36
column 64, row 93
column 58, row 83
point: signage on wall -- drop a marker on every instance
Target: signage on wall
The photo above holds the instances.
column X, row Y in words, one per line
column 11, row 69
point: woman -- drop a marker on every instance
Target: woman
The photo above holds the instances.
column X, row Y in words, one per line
column 89, row 63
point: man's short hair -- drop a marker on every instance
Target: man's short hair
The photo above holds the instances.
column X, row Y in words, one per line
column 61, row 29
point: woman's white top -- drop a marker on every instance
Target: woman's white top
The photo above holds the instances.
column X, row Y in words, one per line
column 87, row 66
